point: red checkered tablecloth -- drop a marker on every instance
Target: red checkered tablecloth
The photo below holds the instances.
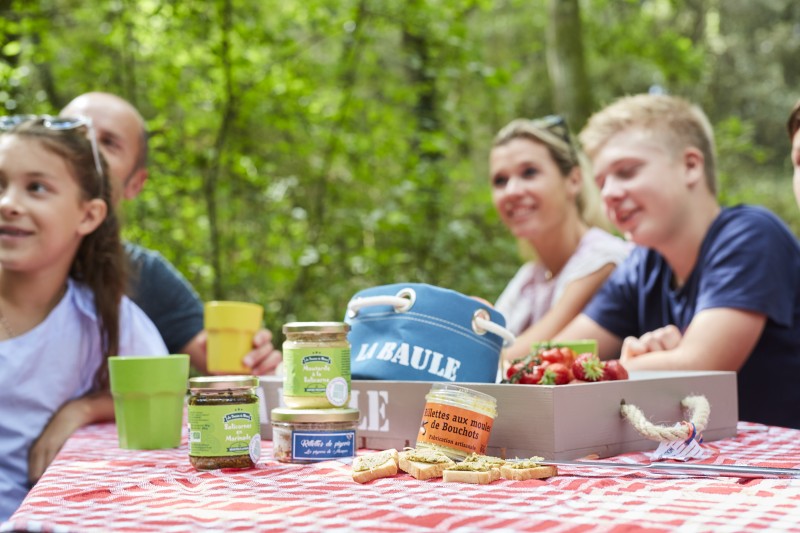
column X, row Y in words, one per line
column 95, row 486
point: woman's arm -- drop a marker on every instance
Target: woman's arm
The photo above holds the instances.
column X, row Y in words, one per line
column 576, row 295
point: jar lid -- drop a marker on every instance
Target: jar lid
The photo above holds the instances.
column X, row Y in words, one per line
column 286, row 414
column 316, row 327
column 454, row 391
column 217, row 383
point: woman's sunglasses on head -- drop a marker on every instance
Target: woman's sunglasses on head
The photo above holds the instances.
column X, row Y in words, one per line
column 60, row 124
column 556, row 125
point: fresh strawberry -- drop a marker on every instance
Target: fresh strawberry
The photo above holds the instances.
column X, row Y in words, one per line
column 532, row 374
column 613, row 370
column 555, row 374
column 587, row 367
column 569, row 355
column 514, row 368
column 558, row 354
column 552, row 355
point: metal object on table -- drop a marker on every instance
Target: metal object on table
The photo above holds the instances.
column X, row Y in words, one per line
column 692, row 469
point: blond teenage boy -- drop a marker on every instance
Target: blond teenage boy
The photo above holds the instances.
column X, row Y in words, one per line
column 707, row 287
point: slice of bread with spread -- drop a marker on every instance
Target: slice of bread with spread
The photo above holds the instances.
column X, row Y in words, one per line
column 423, row 463
column 375, row 465
column 477, row 469
column 472, row 472
column 495, row 462
column 527, row 469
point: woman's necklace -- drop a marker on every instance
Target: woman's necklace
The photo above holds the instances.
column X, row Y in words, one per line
column 6, row 326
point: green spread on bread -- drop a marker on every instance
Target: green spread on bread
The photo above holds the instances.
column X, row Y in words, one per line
column 533, row 462
column 471, row 467
column 485, row 459
column 423, row 455
column 368, row 462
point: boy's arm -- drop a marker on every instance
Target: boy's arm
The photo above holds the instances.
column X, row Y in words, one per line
column 583, row 327
column 94, row 407
column 716, row 339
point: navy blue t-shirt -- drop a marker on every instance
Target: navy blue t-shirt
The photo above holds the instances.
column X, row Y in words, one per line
column 749, row 260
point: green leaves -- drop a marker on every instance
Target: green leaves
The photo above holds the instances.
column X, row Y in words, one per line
column 302, row 151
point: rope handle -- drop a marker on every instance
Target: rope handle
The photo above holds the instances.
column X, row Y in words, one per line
column 699, row 410
column 405, row 299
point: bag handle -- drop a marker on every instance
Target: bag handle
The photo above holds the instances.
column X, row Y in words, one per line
column 404, row 300
column 699, row 411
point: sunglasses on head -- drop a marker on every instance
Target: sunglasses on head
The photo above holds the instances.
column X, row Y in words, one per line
column 556, row 125
column 60, row 124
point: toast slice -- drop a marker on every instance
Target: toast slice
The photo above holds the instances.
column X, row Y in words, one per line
column 494, row 462
column 423, row 463
column 375, row 465
column 471, row 472
column 527, row 469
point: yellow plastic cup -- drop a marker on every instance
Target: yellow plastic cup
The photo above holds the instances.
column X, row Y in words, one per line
column 230, row 327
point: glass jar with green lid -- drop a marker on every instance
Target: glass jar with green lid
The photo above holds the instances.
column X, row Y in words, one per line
column 316, row 364
column 310, row 435
column 224, row 425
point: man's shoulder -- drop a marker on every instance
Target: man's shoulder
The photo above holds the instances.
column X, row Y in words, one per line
column 751, row 225
column 138, row 254
column 147, row 263
column 744, row 215
column 152, row 274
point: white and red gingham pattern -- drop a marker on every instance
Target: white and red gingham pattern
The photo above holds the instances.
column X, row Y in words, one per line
column 95, row 486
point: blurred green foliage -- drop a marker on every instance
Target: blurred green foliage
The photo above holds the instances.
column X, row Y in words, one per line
column 304, row 150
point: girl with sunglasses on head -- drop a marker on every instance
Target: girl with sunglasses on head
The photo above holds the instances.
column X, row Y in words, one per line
column 62, row 283
column 548, row 202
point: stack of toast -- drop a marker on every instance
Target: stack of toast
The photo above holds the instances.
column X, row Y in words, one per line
column 427, row 464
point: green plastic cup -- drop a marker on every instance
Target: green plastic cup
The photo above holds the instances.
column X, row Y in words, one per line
column 149, row 394
column 578, row 346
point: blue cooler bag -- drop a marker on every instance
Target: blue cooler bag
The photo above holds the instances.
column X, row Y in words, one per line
column 418, row 332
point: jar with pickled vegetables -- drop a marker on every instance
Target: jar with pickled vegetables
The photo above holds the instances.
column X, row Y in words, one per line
column 224, row 425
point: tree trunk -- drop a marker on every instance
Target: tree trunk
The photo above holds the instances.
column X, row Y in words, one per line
column 427, row 156
column 565, row 62
column 212, row 176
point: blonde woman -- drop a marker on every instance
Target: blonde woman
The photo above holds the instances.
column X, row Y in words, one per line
column 544, row 198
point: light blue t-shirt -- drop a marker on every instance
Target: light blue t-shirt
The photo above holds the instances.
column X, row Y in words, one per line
column 49, row 365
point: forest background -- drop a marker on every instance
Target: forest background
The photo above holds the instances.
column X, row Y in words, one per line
column 302, row 150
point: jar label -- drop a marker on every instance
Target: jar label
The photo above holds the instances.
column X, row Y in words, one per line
column 455, row 427
column 323, row 445
column 309, row 372
column 224, row 430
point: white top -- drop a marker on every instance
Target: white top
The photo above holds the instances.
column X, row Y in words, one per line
column 529, row 294
column 49, row 365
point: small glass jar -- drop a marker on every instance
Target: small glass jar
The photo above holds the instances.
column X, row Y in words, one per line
column 310, row 435
column 224, row 426
column 457, row 421
column 316, row 365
